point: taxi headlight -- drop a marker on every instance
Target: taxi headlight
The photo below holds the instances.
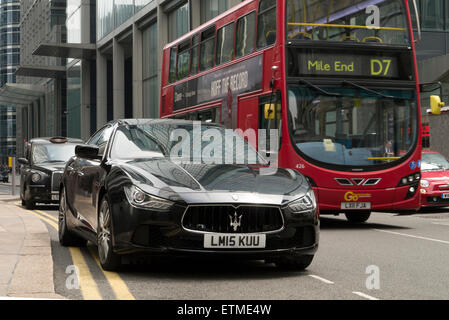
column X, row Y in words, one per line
column 36, row 177
column 141, row 199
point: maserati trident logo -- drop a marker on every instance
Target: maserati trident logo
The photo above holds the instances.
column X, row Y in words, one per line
column 236, row 221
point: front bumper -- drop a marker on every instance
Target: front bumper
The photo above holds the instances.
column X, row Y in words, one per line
column 138, row 231
column 42, row 194
column 392, row 199
column 434, row 199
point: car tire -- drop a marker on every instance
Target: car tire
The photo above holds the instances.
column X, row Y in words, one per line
column 358, row 217
column 109, row 260
column 294, row 262
column 67, row 238
column 29, row 204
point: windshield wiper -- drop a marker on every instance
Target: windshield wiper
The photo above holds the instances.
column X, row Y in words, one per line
column 327, row 93
column 377, row 93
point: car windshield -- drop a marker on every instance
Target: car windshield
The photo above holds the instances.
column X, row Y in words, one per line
column 199, row 143
column 52, row 153
column 352, row 127
column 356, row 21
column 434, row 162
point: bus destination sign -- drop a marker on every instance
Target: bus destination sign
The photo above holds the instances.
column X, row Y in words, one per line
column 331, row 64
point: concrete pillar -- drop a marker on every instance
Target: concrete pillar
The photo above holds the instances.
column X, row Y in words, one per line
column 35, row 119
column 29, row 126
column 195, row 13
column 85, row 99
column 118, row 70
column 102, row 90
column 137, row 73
column 43, row 117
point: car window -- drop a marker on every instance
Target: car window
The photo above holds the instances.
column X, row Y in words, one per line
column 101, row 139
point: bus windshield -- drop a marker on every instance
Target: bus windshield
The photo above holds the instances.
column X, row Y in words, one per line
column 358, row 21
column 353, row 127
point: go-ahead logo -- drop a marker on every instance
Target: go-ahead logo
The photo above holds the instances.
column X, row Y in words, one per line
column 354, row 197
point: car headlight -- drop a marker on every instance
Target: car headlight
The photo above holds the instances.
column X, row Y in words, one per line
column 141, row 199
column 306, row 203
column 425, row 183
column 36, row 177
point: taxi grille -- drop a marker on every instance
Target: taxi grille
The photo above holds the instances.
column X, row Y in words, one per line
column 56, row 181
column 228, row 219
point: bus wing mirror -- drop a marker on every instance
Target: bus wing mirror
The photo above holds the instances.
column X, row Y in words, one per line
column 436, row 105
column 270, row 112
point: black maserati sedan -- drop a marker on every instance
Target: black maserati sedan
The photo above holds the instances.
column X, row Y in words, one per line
column 140, row 187
column 42, row 168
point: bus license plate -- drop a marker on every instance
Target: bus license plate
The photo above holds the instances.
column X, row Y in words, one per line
column 445, row 196
column 356, row 206
column 235, row 241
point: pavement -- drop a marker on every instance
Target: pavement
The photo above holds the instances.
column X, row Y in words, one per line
column 26, row 263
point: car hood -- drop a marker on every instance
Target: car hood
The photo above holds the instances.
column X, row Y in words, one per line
column 212, row 183
column 49, row 168
column 436, row 175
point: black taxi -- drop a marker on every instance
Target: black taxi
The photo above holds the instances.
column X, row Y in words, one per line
column 42, row 169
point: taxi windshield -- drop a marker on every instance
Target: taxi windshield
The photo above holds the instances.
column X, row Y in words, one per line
column 52, row 153
column 357, row 21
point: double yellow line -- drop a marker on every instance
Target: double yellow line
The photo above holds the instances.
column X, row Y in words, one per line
column 88, row 286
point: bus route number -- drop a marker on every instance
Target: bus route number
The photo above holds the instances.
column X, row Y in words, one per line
column 380, row 67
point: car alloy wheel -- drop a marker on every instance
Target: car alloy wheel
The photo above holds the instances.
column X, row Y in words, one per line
column 109, row 260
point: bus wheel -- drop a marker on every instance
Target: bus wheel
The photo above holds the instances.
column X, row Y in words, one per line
column 358, row 217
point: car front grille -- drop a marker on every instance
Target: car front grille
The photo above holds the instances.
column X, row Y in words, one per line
column 230, row 219
column 55, row 181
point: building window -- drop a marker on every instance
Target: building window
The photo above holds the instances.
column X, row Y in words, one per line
column 225, row 44
column 245, row 39
column 124, row 9
column 212, row 8
column 179, row 22
column 74, row 101
column 150, row 73
column 432, row 12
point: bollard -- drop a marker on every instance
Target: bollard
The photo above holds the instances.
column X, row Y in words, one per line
column 13, row 177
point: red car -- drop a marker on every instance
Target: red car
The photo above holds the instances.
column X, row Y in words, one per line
column 435, row 180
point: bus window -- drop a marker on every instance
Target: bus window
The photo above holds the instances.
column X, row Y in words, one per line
column 195, row 54
column 207, row 49
column 172, row 74
column 183, row 60
column 266, row 27
column 225, row 44
column 246, row 27
column 270, row 117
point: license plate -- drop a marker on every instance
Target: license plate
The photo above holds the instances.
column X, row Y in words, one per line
column 445, row 196
column 356, row 206
column 235, row 241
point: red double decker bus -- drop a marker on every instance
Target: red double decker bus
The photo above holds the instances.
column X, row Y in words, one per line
column 338, row 79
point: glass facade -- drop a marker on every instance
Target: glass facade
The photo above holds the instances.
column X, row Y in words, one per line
column 179, row 22
column 212, row 8
column 9, row 61
column 113, row 13
column 150, row 73
column 74, row 101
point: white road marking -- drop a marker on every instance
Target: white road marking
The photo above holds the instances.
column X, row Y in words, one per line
column 321, row 279
column 361, row 294
column 411, row 236
column 441, row 223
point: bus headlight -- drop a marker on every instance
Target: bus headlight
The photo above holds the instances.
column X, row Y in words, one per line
column 425, row 183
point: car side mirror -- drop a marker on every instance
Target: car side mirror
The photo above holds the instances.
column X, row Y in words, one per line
column 23, row 161
column 88, row 152
column 436, row 105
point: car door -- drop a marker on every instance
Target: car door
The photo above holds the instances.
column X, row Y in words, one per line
column 89, row 175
